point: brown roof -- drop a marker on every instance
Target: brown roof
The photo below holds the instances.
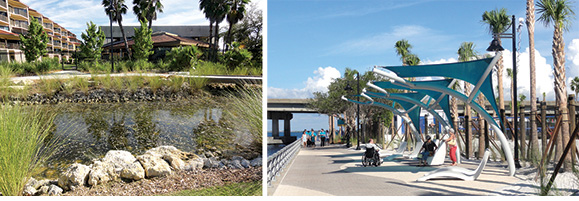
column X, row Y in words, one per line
column 164, row 39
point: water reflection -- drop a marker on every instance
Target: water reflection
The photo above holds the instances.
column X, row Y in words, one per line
column 88, row 131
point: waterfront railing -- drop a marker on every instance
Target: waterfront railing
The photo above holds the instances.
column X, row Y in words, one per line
column 277, row 161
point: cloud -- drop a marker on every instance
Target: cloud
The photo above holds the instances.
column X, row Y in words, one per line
column 318, row 83
column 374, row 44
column 74, row 14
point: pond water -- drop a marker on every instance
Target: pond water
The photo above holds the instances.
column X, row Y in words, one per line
column 87, row 131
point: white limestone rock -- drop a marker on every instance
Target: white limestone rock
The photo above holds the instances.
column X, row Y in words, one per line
column 100, row 173
column 75, row 175
column 175, row 162
column 154, row 165
column 194, row 163
column 134, row 171
column 123, row 165
column 54, row 190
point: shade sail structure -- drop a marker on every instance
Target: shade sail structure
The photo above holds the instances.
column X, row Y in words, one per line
column 441, row 98
column 476, row 72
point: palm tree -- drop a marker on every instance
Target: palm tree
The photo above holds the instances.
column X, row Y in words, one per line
column 412, row 60
column 215, row 11
column 534, row 151
column 402, row 48
column 466, row 52
column 559, row 14
column 115, row 9
column 498, row 22
column 575, row 85
column 147, row 10
column 235, row 14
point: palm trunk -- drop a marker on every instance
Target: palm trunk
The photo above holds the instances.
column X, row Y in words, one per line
column 210, row 39
column 468, row 132
column 124, row 38
column 228, row 37
column 534, row 151
column 561, row 92
column 500, row 83
column 216, row 40
column 481, row 133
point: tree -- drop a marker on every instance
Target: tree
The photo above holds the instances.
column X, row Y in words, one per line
column 115, row 9
column 575, row 85
column 143, row 42
column 534, row 151
column 466, row 52
column 402, row 48
column 34, row 43
column 147, row 10
column 330, row 102
column 498, row 22
column 93, row 39
column 412, row 60
column 237, row 56
column 234, row 15
column 215, row 11
column 248, row 33
column 559, row 13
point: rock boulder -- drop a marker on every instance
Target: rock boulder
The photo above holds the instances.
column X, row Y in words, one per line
column 75, row 175
column 154, row 165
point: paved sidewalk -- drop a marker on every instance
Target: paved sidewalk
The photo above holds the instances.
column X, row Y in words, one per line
column 335, row 170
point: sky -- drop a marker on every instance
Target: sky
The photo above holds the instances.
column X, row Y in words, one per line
column 75, row 14
column 311, row 42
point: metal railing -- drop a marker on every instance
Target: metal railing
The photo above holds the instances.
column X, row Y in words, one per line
column 19, row 23
column 19, row 11
column 3, row 3
column 277, row 161
column 47, row 25
column 4, row 18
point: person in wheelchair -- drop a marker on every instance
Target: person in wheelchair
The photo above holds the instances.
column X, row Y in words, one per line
column 372, row 153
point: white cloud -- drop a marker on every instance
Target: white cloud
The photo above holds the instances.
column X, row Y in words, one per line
column 375, row 43
column 74, row 14
column 543, row 75
column 318, row 83
column 440, row 61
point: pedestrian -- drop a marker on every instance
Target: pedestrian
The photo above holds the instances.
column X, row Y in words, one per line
column 429, row 147
column 314, row 137
column 304, row 139
column 309, row 136
column 322, row 137
column 451, row 141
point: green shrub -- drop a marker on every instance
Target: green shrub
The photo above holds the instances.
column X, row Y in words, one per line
column 237, row 57
column 182, row 58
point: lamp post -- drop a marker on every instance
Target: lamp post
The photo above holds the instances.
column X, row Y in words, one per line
column 348, row 88
column 496, row 46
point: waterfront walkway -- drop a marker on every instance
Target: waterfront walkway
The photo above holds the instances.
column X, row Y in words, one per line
column 336, row 170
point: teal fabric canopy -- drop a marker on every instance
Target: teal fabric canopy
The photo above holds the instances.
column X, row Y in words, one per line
column 469, row 71
column 415, row 113
column 444, row 102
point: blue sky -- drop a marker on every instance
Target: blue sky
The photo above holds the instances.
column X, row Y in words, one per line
column 312, row 41
column 74, row 14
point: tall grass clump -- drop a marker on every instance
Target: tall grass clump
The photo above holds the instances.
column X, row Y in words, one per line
column 245, row 107
column 24, row 146
column 49, row 86
column 155, row 83
column 5, row 75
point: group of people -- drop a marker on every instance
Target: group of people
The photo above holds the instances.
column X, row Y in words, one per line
column 309, row 138
column 430, row 147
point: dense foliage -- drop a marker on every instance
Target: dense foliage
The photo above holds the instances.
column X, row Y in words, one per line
column 34, row 42
column 143, row 42
column 93, row 38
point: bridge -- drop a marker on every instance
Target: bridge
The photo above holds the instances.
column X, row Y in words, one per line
column 283, row 109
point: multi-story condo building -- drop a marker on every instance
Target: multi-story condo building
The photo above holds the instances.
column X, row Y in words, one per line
column 15, row 17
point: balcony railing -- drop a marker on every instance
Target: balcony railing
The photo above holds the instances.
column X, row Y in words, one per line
column 3, row 3
column 10, row 45
column 19, row 11
column 18, row 23
column 47, row 25
column 4, row 18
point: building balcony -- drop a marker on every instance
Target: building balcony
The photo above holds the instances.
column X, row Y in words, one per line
column 10, row 45
column 3, row 4
column 4, row 18
column 19, row 24
column 19, row 13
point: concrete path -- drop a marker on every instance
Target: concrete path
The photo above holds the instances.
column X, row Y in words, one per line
column 335, row 170
column 72, row 73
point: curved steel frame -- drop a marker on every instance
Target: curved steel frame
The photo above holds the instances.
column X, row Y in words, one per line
column 504, row 143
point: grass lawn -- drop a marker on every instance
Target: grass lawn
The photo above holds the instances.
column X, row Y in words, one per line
column 235, row 189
